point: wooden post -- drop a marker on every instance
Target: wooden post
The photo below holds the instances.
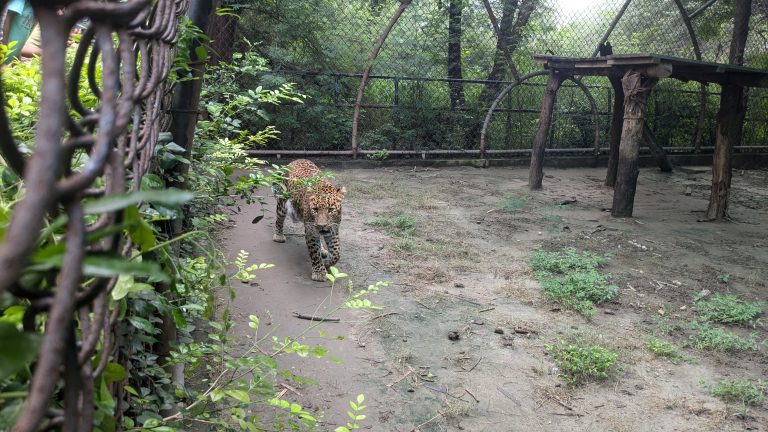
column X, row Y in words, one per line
column 727, row 135
column 636, row 88
column 617, row 122
column 536, row 174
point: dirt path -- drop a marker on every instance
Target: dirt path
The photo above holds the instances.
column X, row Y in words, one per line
column 464, row 269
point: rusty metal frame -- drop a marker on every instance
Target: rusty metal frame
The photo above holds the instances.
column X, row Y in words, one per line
column 133, row 41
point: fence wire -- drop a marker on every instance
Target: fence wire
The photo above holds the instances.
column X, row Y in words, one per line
column 408, row 100
column 78, row 155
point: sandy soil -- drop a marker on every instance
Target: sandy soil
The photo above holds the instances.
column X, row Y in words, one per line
column 466, row 269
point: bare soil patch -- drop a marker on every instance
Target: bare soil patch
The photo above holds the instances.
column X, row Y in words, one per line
column 464, row 271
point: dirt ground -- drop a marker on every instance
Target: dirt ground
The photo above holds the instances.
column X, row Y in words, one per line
column 466, row 269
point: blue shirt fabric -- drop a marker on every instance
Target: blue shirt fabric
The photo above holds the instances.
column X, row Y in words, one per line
column 21, row 26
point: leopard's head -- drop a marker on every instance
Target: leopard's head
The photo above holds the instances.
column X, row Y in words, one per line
column 325, row 206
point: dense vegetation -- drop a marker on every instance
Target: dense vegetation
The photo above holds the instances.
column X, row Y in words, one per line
column 411, row 106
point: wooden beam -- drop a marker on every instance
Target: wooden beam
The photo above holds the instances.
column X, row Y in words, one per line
column 656, row 150
column 536, row 174
column 636, row 89
column 617, row 122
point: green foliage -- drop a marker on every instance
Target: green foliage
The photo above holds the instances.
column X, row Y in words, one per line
column 355, row 415
column 664, row 349
column 746, row 392
column 708, row 337
column 729, row 309
column 380, row 155
column 512, row 204
column 397, row 224
column 573, row 279
column 579, row 363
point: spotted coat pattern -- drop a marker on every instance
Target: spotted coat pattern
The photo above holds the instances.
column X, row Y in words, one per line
column 316, row 202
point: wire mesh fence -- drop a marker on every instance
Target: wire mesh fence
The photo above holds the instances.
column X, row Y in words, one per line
column 409, row 102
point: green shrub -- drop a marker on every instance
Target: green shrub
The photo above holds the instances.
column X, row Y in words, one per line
column 743, row 391
column 579, row 364
column 729, row 309
column 572, row 279
column 664, row 349
column 709, row 337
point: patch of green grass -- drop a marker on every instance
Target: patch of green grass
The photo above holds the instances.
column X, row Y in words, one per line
column 664, row 349
column 511, row 203
column 729, row 309
column 405, row 244
column 746, row 392
column 709, row 337
column 398, row 224
column 573, row 279
column 582, row 363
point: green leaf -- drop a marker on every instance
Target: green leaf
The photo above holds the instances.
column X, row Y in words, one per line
column 19, row 349
column 108, row 266
column 126, row 284
column 110, row 203
column 143, row 324
column 240, row 395
column 13, row 315
column 114, row 372
column 178, row 317
column 152, row 182
column 139, row 229
column 175, row 148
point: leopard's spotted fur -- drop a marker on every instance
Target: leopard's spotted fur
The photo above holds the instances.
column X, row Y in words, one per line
column 317, row 203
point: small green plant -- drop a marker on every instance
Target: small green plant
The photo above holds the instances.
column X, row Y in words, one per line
column 572, row 279
column 724, row 278
column 356, row 415
column 405, row 244
column 709, row 337
column 664, row 349
column 729, row 309
column 380, row 155
column 746, row 392
column 579, row 363
column 511, row 203
column 398, row 224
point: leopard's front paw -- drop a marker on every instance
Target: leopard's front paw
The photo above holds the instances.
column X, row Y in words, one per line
column 280, row 238
column 318, row 276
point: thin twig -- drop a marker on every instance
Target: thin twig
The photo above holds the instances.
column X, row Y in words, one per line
column 314, row 318
column 383, row 315
column 473, row 396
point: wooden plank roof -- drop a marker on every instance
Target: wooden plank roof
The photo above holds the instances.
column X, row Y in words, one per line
column 657, row 65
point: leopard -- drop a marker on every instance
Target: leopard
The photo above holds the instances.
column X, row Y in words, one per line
column 306, row 196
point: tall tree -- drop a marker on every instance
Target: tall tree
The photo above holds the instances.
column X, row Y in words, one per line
column 515, row 15
column 455, row 8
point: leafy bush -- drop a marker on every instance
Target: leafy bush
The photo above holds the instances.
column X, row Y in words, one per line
column 729, row 309
column 579, row 363
column 709, row 337
column 572, row 279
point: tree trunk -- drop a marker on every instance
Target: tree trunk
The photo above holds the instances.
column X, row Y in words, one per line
column 698, row 131
column 454, row 53
column 510, row 28
column 730, row 119
column 636, row 89
column 536, row 172
column 656, row 150
column 617, row 122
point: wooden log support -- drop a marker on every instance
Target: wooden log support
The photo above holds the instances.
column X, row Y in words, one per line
column 656, row 150
column 617, row 122
column 636, row 87
column 536, row 173
column 728, row 133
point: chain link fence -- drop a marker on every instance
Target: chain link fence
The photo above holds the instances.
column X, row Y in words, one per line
column 409, row 103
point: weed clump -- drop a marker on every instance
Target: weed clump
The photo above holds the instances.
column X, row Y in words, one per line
column 579, row 363
column 729, row 309
column 709, row 337
column 398, row 224
column 742, row 391
column 664, row 349
column 573, row 279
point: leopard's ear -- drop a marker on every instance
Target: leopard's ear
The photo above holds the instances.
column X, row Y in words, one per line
column 341, row 190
